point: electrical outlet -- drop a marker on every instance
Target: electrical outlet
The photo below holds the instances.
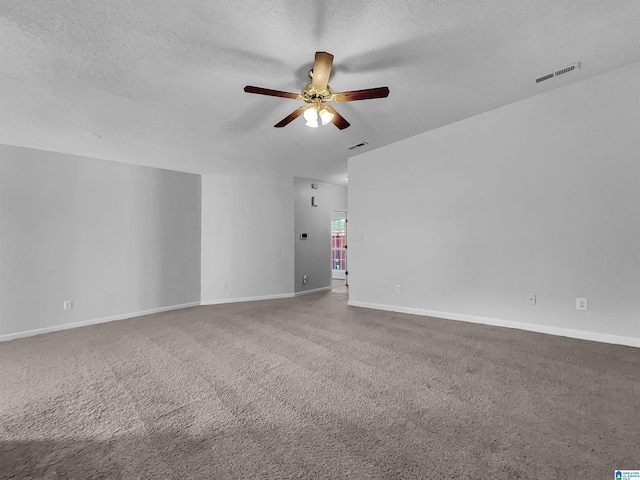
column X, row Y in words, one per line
column 531, row 299
column 305, row 279
column 224, row 285
column 398, row 289
column 67, row 305
column 582, row 304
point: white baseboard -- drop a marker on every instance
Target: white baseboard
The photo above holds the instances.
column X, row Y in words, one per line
column 315, row 290
column 531, row 327
column 246, row 299
column 84, row 323
column 55, row 328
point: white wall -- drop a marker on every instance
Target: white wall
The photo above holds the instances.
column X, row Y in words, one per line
column 116, row 239
column 539, row 197
column 313, row 255
column 247, row 228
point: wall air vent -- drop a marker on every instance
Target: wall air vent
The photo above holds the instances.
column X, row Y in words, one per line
column 567, row 69
column 357, row 145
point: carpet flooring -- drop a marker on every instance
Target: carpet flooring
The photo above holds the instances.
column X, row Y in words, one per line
column 309, row 388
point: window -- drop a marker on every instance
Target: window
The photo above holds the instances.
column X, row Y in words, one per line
column 338, row 242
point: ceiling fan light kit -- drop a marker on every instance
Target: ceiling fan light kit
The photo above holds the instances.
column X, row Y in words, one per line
column 313, row 112
column 317, row 93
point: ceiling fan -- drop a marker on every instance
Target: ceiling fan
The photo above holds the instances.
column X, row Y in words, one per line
column 317, row 93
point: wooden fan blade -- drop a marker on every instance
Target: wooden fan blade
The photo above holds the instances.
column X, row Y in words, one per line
column 366, row 94
column 321, row 70
column 291, row 117
column 338, row 120
column 271, row 93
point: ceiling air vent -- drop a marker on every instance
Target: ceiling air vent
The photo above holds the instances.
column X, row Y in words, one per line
column 567, row 69
column 357, row 145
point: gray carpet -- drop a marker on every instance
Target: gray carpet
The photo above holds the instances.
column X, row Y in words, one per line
column 311, row 388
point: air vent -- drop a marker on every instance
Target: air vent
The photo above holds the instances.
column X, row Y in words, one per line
column 357, row 145
column 562, row 71
column 546, row 77
column 567, row 69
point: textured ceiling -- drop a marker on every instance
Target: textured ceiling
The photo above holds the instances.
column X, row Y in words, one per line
column 160, row 82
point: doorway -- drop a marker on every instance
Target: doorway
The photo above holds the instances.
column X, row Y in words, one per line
column 339, row 271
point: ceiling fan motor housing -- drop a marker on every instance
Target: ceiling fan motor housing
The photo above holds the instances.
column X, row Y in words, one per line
column 312, row 95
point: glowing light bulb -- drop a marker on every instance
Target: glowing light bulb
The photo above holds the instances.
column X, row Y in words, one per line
column 311, row 114
column 326, row 116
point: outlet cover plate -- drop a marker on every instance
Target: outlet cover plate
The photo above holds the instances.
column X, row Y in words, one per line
column 582, row 304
